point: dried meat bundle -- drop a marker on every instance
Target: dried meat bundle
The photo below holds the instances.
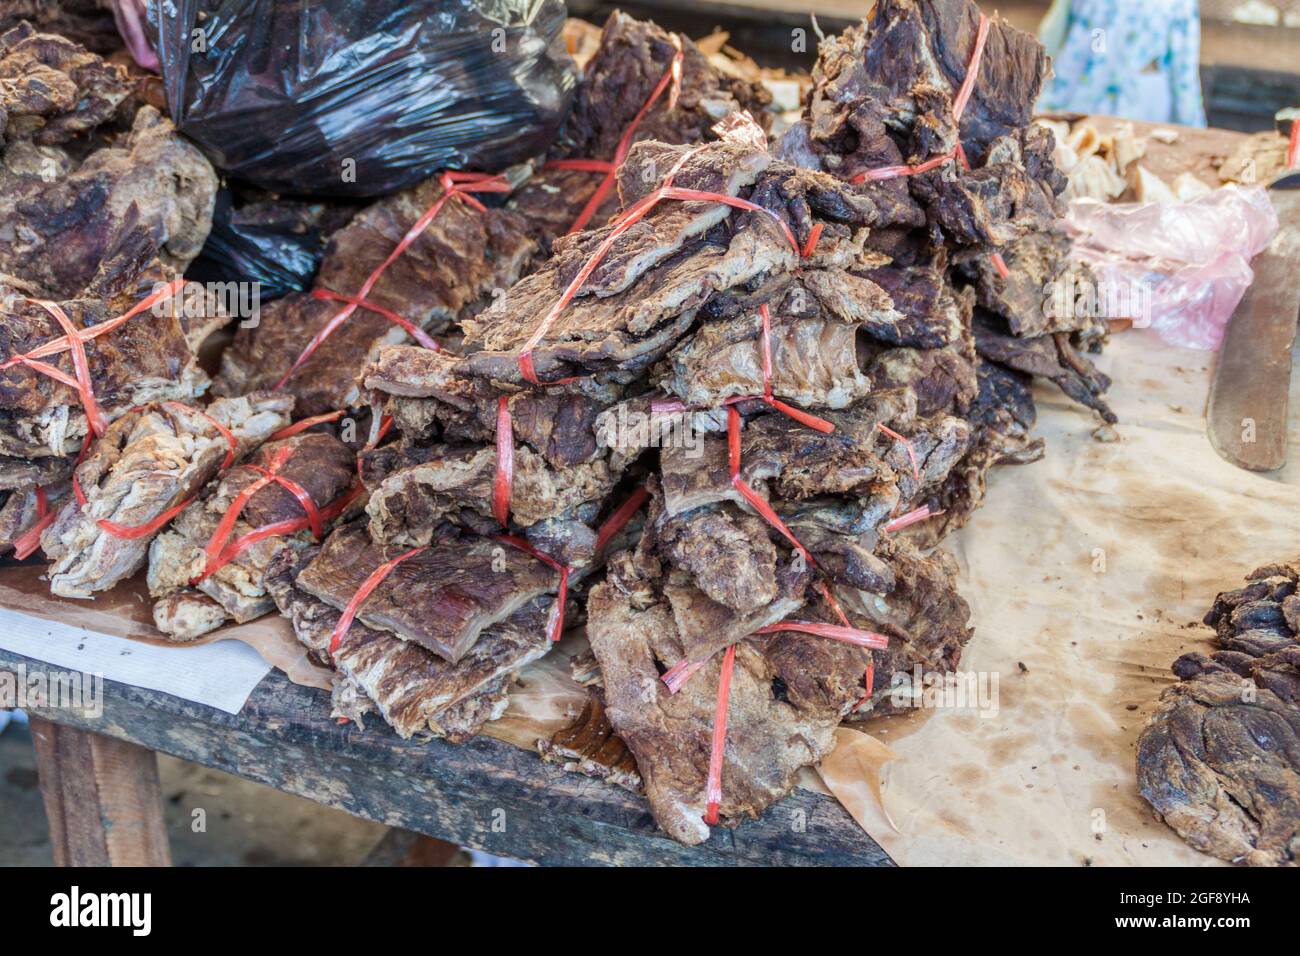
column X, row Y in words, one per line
column 1219, row 760
column 788, row 353
column 51, row 89
column 95, row 247
column 788, row 693
column 429, row 278
column 445, row 466
column 28, row 490
column 149, row 463
column 416, row 691
column 69, row 224
column 882, row 112
column 210, row 565
column 632, row 68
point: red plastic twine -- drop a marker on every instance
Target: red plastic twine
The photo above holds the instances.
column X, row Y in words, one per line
column 372, row 581
column 713, row 789
column 556, row 629
column 713, row 785
column 610, row 527
column 301, row 426
column 503, row 483
column 289, row 526
column 453, row 184
column 621, row 516
column 27, row 543
column 270, row 474
column 134, row 532
column 911, row 518
column 749, row 494
column 74, row 340
column 672, row 76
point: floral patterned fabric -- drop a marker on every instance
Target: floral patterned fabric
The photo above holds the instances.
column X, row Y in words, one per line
column 1139, row 59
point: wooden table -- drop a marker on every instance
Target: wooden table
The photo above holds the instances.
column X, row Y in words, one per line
column 99, row 779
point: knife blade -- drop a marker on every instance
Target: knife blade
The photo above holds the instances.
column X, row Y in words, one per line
column 1246, row 418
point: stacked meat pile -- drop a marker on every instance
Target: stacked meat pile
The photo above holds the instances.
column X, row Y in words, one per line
column 433, row 644
column 1220, row 758
column 804, row 359
column 102, row 206
column 749, row 381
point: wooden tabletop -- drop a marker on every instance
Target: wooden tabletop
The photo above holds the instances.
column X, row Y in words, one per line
column 483, row 794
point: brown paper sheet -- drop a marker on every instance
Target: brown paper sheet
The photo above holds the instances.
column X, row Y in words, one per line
column 127, row 611
column 1091, row 569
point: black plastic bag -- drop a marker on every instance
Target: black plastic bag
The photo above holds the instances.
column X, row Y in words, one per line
column 363, row 97
column 277, row 243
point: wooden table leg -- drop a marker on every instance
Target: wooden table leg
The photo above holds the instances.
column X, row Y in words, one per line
column 102, row 798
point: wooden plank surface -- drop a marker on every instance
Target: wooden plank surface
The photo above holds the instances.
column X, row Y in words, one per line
column 483, row 794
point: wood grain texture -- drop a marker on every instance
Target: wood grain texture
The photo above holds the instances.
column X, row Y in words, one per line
column 102, row 798
column 483, row 794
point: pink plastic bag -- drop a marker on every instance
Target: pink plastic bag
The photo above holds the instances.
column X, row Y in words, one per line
column 1182, row 267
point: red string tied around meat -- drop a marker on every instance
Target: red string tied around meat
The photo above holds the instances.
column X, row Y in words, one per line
column 463, row 185
column 671, row 81
column 634, row 214
column 756, row 501
column 286, row 527
column 713, row 785
column 503, row 483
column 957, row 152
column 74, row 340
column 610, row 527
column 911, row 518
column 372, row 581
column 958, row 108
column 27, row 543
column 305, row 423
column 269, row 474
column 135, row 532
column 556, row 628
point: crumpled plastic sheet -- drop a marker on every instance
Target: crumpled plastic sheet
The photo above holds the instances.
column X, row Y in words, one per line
column 1181, row 268
column 360, row 98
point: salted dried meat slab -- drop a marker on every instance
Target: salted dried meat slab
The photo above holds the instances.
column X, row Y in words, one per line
column 633, row 56
column 813, row 343
column 442, row 599
column 408, row 505
column 317, row 463
column 644, row 293
column 1219, row 761
column 926, row 620
column 416, row 691
column 1050, row 356
column 429, row 397
column 788, row 693
column 147, row 358
column 23, row 483
column 52, row 89
column 902, row 68
column 64, row 218
column 147, row 463
column 456, row 263
column 589, row 746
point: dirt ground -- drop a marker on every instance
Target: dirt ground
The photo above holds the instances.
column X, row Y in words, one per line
column 246, row 824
